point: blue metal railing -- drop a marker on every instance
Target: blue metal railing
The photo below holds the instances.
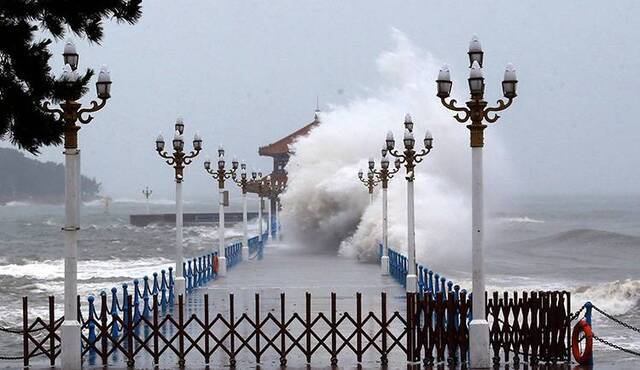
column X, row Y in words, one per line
column 429, row 281
column 197, row 273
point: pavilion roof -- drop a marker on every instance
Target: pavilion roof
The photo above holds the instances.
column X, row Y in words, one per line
column 282, row 146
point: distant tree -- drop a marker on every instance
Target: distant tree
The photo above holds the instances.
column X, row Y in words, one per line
column 25, row 75
column 32, row 180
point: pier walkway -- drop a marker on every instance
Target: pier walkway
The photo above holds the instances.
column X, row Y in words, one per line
column 293, row 271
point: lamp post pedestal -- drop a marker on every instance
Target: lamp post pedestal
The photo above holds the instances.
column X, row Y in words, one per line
column 71, row 328
column 222, row 258
column 245, row 237
column 70, row 338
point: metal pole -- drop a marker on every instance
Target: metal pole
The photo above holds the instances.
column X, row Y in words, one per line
column 479, row 327
column 180, row 283
column 222, row 259
column 412, row 277
column 278, row 219
column 148, row 208
column 370, row 198
column 384, row 260
column 260, row 219
column 270, row 220
column 70, row 329
column 245, row 237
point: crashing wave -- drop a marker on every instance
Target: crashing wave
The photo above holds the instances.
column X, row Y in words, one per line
column 326, row 206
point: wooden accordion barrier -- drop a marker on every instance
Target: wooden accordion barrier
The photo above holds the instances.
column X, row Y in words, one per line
column 433, row 330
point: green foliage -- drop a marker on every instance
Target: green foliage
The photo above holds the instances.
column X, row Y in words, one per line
column 25, row 75
column 27, row 179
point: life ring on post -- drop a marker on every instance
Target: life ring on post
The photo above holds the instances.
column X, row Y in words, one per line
column 215, row 264
column 582, row 331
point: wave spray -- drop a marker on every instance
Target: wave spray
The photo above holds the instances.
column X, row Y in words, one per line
column 326, row 207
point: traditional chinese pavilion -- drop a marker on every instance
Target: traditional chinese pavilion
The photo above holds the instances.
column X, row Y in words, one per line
column 281, row 151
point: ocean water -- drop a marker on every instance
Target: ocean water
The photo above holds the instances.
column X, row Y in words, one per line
column 587, row 245
column 110, row 250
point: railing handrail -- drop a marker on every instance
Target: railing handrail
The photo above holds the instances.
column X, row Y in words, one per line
column 398, row 269
column 197, row 272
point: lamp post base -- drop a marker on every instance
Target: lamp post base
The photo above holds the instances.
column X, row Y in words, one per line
column 180, row 287
column 384, row 265
column 70, row 338
column 479, row 344
column 222, row 266
column 245, row 253
column 412, row 283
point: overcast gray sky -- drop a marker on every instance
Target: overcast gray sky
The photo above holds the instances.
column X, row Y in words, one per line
column 245, row 73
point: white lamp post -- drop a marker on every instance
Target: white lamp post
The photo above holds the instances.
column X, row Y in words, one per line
column 477, row 111
column 242, row 183
column 220, row 174
column 179, row 160
column 369, row 182
column 409, row 157
column 258, row 179
column 384, row 175
column 278, row 228
column 273, row 189
column 68, row 114
column 268, row 184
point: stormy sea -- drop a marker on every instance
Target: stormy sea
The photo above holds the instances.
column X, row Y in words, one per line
column 589, row 246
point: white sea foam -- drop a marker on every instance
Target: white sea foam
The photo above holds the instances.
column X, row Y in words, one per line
column 614, row 297
column 50, row 222
column 521, row 220
column 325, row 203
column 16, row 203
column 89, row 269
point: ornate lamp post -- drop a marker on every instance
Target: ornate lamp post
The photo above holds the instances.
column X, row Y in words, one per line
column 478, row 113
column 370, row 182
column 268, row 185
column 280, row 187
column 147, row 194
column 410, row 158
column 273, row 188
column 257, row 178
column 179, row 160
column 221, row 175
column 68, row 114
column 242, row 183
column 384, row 175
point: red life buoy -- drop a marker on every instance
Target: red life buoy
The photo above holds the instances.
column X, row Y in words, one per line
column 215, row 264
column 583, row 357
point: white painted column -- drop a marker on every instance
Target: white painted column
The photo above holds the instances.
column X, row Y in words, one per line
column 260, row 219
column 70, row 329
column 180, row 282
column 269, row 222
column 222, row 258
column 479, row 327
column 384, row 260
column 412, row 277
column 278, row 219
column 245, row 236
column 370, row 198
